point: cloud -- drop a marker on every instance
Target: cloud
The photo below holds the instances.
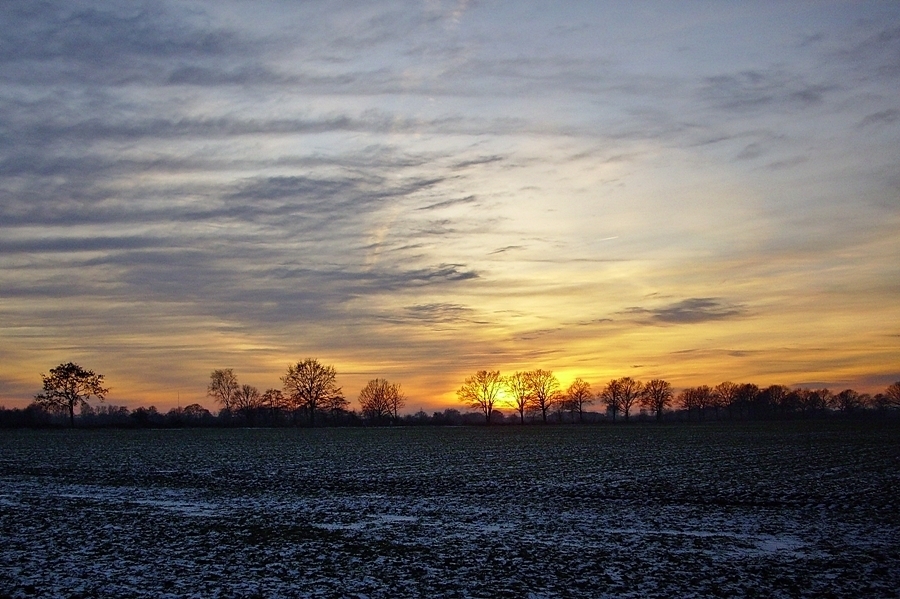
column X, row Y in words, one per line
column 689, row 311
column 882, row 117
column 79, row 244
column 477, row 162
column 754, row 90
column 448, row 203
column 877, row 53
column 56, row 42
column 438, row 313
column 508, row 248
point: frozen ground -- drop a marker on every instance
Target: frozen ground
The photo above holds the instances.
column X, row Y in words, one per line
column 793, row 510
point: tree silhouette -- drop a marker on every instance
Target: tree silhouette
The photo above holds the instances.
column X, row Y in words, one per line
column 373, row 400
column 544, row 390
column 892, row 393
column 482, row 391
column 381, row 400
column 275, row 402
column 223, row 387
column 657, row 396
column 312, row 386
column 612, row 397
column 619, row 395
column 696, row 398
column 631, row 392
column 791, row 402
column 846, row 401
column 579, row 395
column 195, row 414
column 397, row 401
column 248, row 401
column 745, row 397
column 335, row 405
column 813, row 401
column 770, row 400
column 518, row 388
column 725, row 395
column 69, row 385
column 819, row 399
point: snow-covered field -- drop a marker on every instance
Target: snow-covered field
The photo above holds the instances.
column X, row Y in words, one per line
column 790, row 510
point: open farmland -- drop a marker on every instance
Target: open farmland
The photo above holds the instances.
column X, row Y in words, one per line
column 792, row 510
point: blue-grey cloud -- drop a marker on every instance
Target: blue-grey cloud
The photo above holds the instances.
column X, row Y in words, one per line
column 881, row 118
column 449, row 203
column 757, row 90
column 877, row 53
column 438, row 314
column 79, row 244
column 689, row 311
column 58, row 42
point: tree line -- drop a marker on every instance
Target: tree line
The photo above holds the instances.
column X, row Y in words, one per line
column 309, row 396
column 537, row 393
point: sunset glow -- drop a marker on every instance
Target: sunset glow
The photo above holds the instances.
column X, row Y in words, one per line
column 692, row 191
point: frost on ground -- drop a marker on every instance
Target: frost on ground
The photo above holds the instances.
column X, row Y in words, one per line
column 779, row 510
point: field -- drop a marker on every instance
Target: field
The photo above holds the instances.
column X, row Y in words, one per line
column 777, row 510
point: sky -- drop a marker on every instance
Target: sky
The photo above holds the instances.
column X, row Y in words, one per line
column 695, row 191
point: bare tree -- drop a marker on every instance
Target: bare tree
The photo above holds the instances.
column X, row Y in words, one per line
column 544, row 390
column 397, row 400
column 846, row 401
column 619, row 395
column 69, row 385
column 881, row 402
column 248, row 401
column 770, row 400
column 892, row 394
column 657, row 396
column 696, row 398
column 374, row 401
column 381, row 400
column 578, row 396
column 612, row 397
column 274, row 401
column 687, row 400
column 195, row 413
column 725, row 395
column 335, row 404
column 518, row 388
column 812, row 401
column 223, row 387
column 482, row 391
column 311, row 386
column 792, row 401
column 745, row 398
column 631, row 392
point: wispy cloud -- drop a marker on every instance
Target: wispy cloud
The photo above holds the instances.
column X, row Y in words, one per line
column 882, row 117
column 759, row 90
column 689, row 311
